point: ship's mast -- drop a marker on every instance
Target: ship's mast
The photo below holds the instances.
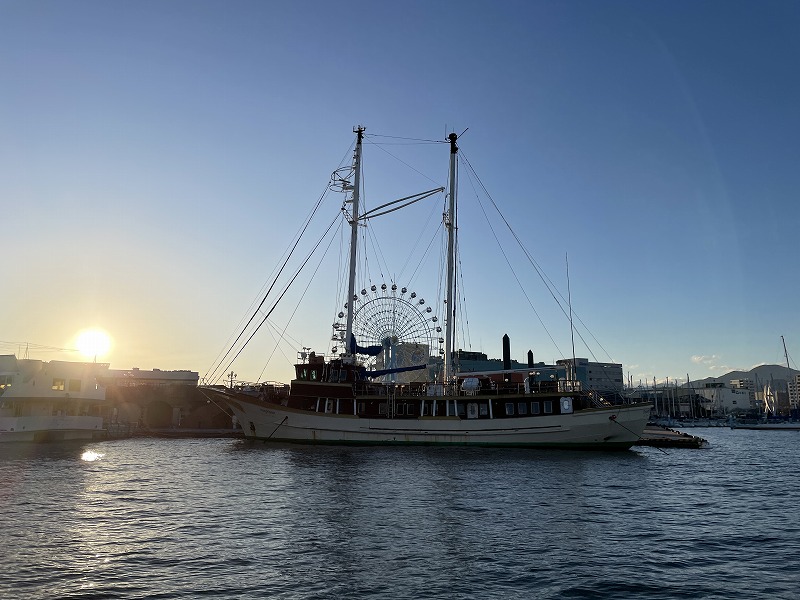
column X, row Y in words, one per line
column 788, row 379
column 351, row 287
column 451, row 243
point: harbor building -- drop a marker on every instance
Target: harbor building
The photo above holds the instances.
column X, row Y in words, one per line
column 722, row 400
column 746, row 384
column 469, row 361
column 604, row 378
column 794, row 393
column 156, row 400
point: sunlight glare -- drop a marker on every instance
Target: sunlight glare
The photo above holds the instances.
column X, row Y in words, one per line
column 93, row 343
column 91, row 456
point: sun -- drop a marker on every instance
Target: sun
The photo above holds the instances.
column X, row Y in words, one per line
column 93, row 343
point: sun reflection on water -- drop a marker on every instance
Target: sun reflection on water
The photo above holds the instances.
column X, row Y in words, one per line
column 91, row 456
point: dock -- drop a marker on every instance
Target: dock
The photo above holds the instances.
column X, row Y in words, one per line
column 657, row 436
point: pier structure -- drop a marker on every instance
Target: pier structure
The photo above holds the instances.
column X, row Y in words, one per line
column 142, row 400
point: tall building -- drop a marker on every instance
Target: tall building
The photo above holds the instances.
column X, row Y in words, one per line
column 794, row 392
column 746, row 384
column 601, row 377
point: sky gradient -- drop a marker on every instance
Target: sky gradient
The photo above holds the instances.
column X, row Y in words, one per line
column 156, row 159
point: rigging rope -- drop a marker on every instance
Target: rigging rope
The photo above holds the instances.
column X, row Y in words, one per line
column 380, row 147
column 219, row 360
column 508, row 262
column 274, row 306
column 297, row 306
column 424, row 255
column 547, row 282
column 465, row 335
column 410, row 139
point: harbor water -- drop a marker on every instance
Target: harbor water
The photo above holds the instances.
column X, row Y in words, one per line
column 225, row 518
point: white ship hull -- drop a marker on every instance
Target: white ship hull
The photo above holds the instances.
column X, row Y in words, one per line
column 40, row 429
column 50, row 401
column 604, row 428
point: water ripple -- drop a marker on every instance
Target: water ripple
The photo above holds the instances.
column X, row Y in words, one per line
column 227, row 519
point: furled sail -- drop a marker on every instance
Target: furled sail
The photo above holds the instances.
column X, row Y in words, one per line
column 368, row 350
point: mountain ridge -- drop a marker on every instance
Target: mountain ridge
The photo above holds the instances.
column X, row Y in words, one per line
column 760, row 375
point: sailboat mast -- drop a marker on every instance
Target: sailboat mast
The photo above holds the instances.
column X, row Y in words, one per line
column 788, row 378
column 451, row 238
column 351, row 286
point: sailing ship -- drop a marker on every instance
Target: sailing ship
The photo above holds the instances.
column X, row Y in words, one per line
column 50, row 401
column 410, row 397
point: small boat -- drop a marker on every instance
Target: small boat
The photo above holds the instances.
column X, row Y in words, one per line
column 50, row 401
column 769, row 425
column 413, row 395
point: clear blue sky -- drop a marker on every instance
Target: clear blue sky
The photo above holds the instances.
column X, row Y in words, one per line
column 157, row 157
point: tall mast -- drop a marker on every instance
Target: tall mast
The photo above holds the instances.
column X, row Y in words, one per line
column 351, row 287
column 451, row 239
column 788, row 379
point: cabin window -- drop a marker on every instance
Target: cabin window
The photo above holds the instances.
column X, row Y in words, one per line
column 383, row 408
column 509, row 409
column 329, row 405
column 303, row 373
column 522, row 408
column 362, row 407
column 334, row 374
column 313, row 374
column 484, row 410
column 410, row 410
column 74, row 385
column 58, row 385
column 535, row 408
column 5, row 381
column 548, row 407
column 342, row 375
column 462, row 410
column 400, row 409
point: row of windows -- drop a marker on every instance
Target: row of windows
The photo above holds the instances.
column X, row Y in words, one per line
column 536, row 408
column 314, row 374
column 304, row 374
column 521, row 409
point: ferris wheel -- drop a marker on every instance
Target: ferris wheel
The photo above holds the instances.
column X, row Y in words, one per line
column 396, row 319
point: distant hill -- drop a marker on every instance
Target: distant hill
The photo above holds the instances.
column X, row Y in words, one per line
column 760, row 376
